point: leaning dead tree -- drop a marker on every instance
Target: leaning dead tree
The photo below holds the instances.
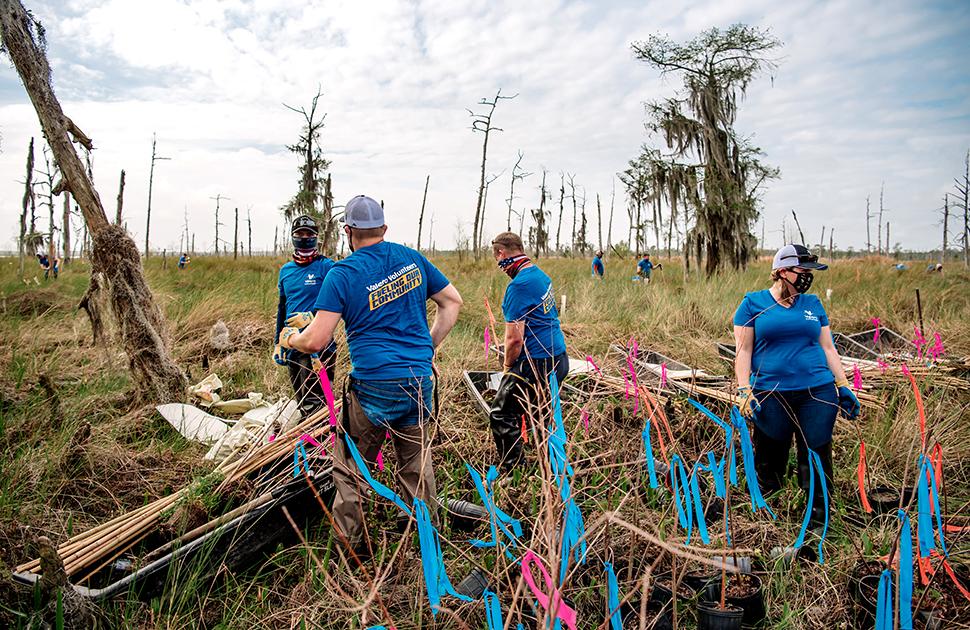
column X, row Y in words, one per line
column 314, row 197
column 121, row 198
column 697, row 126
column 482, row 123
column 151, row 179
column 140, row 321
column 424, row 200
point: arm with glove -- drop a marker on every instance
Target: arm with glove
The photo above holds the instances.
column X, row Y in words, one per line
column 744, row 344
column 848, row 402
column 279, row 356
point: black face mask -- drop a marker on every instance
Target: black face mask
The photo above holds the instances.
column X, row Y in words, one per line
column 803, row 281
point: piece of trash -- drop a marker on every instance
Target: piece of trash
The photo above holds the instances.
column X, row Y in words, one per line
column 193, row 423
column 206, row 390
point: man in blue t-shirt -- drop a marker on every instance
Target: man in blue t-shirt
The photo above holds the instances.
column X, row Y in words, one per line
column 645, row 267
column 381, row 292
column 534, row 347
column 597, row 267
column 299, row 283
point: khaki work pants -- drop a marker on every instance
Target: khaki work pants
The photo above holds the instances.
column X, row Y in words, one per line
column 415, row 474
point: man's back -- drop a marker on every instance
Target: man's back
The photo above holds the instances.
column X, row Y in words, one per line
column 381, row 292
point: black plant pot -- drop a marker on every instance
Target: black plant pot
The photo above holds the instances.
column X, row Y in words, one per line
column 865, row 591
column 711, row 617
column 885, row 499
column 661, row 593
column 661, row 619
column 753, row 604
column 699, row 580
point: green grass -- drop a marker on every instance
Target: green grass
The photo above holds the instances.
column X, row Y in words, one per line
column 133, row 456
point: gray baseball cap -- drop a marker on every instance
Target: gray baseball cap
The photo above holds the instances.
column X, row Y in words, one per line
column 363, row 212
column 796, row 256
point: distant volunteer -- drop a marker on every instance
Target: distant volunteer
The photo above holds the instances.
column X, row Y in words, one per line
column 645, row 267
column 534, row 347
column 380, row 291
column 597, row 267
column 790, row 376
column 299, row 283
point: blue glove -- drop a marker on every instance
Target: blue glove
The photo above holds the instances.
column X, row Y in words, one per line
column 848, row 402
column 279, row 355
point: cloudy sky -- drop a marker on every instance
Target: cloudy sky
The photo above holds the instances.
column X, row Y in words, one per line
column 866, row 92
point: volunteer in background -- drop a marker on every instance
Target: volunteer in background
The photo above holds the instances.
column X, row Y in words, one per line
column 299, row 283
column 534, row 347
column 597, row 268
column 790, row 376
column 381, row 292
column 645, row 268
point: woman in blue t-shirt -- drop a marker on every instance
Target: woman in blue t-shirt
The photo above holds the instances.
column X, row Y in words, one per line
column 790, row 376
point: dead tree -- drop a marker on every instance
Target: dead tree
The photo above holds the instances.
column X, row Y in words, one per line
column 141, row 323
column 801, row 235
column 562, row 196
column 832, row 244
column 517, row 174
column 483, row 123
column 540, row 235
column 572, row 195
column 424, row 200
column 609, row 229
column 235, row 237
column 963, row 198
column 946, row 226
column 249, row 231
column 217, row 199
column 868, row 234
column 879, row 231
column 28, row 200
column 151, row 177
column 121, row 198
column 599, row 224
column 66, row 228
column 47, row 199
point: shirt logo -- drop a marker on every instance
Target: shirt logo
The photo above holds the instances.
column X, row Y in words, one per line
column 394, row 286
column 548, row 300
column 811, row 317
column 310, row 279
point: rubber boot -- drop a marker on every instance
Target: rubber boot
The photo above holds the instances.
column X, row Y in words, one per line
column 819, row 507
column 770, row 461
column 505, row 422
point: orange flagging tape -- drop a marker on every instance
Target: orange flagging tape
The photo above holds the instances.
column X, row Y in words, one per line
column 525, row 433
column 919, row 405
column 949, row 572
column 861, row 474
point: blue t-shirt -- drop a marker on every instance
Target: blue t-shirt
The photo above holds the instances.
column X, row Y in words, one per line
column 597, row 266
column 381, row 291
column 530, row 298
column 645, row 267
column 299, row 286
column 787, row 355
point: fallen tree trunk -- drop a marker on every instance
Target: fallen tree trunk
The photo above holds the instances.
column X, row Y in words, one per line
column 141, row 324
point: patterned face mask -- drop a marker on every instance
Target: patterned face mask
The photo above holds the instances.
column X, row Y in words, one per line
column 512, row 264
column 803, row 281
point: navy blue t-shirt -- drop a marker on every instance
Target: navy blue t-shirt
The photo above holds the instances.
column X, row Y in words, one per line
column 299, row 286
column 787, row 355
column 381, row 291
column 597, row 266
column 530, row 298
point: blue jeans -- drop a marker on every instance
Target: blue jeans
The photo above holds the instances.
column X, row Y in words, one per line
column 396, row 403
column 809, row 414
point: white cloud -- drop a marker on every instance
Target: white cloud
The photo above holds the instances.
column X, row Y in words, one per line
column 865, row 93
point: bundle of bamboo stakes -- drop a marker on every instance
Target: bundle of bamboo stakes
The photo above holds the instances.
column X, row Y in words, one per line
column 101, row 545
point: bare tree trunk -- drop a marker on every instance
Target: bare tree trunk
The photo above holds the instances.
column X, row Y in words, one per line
column 887, row 239
column 868, row 235
column 821, row 241
column 115, row 254
column 249, row 228
column 235, row 237
column 609, row 229
column 801, row 235
column 28, row 198
column 151, row 178
column 670, row 223
column 572, row 195
column 424, row 200
column 276, row 236
column 965, row 189
column 193, row 244
column 562, row 196
column 832, row 244
column 66, row 226
column 121, row 198
column 946, row 226
column 599, row 224
column 480, row 207
column 879, row 231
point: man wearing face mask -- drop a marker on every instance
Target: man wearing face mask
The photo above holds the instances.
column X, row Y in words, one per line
column 790, row 376
column 299, row 283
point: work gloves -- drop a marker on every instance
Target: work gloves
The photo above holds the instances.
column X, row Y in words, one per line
column 285, row 335
column 748, row 405
column 316, row 363
column 299, row 320
column 279, row 355
column 848, row 402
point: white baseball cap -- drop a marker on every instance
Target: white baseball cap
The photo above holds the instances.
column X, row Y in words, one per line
column 796, row 256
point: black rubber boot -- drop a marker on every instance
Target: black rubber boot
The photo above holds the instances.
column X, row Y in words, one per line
column 770, row 461
column 819, row 507
column 505, row 421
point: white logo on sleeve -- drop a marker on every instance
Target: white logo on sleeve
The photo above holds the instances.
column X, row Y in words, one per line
column 310, row 279
column 809, row 316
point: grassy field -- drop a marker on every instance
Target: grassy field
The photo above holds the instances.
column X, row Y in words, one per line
column 53, row 481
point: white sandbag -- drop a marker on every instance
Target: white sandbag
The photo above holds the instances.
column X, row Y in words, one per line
column 253, row 400
column 205, row 390
column 192, row 422
column 255, row 427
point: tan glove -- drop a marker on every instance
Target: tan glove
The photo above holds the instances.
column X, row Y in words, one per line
column 748, row 405
column 285, row 335
column 299, row 320
column 316, row 363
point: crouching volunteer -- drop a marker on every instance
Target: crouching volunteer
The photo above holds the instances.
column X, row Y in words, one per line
column 790, row 376
column 534, row 347
column 380, row 291
column 299, row 283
